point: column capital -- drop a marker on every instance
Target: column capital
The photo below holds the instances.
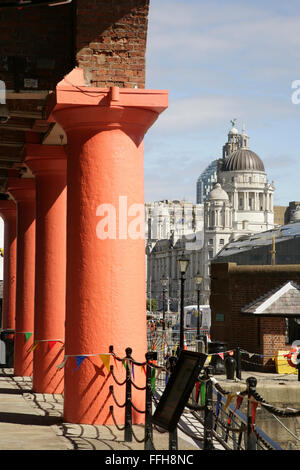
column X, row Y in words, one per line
column 74, row 105
column 46, row 159
column 21, row 189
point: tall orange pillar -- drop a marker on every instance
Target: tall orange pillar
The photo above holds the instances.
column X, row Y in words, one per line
column 23, row 192
column 8, row 212
column 105, row 292
column 48, row 164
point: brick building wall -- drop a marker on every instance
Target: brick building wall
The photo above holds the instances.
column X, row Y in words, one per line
column 106, row 38
column 111, row 41
column 232, row 288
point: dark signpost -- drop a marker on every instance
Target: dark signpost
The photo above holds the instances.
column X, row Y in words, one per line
column 178, row 389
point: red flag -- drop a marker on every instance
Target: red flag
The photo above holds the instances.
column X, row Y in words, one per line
column 51, row 344
column 253, row 411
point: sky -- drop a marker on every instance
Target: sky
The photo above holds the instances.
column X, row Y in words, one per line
column 222, row 60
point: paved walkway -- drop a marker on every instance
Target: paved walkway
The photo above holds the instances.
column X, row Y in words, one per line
column 33, row 421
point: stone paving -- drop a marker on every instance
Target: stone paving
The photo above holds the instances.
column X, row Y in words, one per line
column 33, row 421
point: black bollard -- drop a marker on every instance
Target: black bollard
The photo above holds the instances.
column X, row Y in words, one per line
column 237, row 355
column 251, row 436
column 230, row 367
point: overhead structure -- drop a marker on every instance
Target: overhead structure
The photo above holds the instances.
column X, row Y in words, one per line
column 74, row 115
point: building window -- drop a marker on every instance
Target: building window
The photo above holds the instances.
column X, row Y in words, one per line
column 210, row 241
column 221, row 241
column 210, row 254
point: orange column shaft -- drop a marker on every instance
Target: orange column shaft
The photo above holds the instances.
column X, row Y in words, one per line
column 8, row 212
column 23, row 192
column 105, row 293
column 48, row 164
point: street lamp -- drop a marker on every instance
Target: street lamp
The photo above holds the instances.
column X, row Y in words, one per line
column 164, row 282
column 198, row 281
column 183, row 264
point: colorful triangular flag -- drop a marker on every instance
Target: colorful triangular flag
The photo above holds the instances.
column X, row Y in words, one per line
column 51, row 344
column 79, row 360
column 105, row 358
column 27, row 336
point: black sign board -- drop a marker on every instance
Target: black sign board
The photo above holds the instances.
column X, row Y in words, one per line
column 178, row 389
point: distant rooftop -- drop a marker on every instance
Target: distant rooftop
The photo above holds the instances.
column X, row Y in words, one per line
column 248, row 242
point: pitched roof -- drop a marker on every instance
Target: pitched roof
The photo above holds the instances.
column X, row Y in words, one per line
column 283, row 301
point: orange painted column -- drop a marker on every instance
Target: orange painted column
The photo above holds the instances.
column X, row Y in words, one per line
column 105, row 292
column 48, row 164
column 23, row 192
column 8, row 212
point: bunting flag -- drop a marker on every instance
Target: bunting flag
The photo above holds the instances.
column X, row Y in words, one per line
column 132, row 370
column 197, row 386
column 209, row 358
column 105, row 358
column 253, row 411
column 51, row 344
column 27, row 336
column 237, row 405
column 202, row 393
column 60, row 366
column 219, row 400
column 153, row 379
column 144, row 369
column 221, row 355
column 229, row 398
column 167, row 378
column 79, row 360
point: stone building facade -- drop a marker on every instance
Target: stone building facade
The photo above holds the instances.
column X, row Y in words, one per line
column 240, row 204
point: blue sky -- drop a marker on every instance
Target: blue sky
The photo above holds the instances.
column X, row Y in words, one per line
column 222, row 60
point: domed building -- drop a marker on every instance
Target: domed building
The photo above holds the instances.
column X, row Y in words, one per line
column 243, row 177
column 234, row 200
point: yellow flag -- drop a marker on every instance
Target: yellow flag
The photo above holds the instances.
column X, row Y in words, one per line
column 229, row 398
column 105, row 358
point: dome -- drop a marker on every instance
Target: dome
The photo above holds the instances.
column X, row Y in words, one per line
column 243, row 159
column 218, row 193
column 233, row 131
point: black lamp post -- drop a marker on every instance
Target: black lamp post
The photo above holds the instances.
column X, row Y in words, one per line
column 164, row 282
column 183, row 264
column 198, row 280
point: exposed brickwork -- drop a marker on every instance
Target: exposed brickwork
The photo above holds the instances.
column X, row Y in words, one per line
column 111, row 41
column 232, row 288
column 107, row 38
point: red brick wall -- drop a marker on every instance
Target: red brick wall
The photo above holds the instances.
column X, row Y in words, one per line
column 111, row 41
column 107, row 38
column 232, row 288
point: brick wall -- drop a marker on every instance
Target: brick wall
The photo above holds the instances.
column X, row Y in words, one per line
column 107, row 38
column 232, row 288
column 111, row 41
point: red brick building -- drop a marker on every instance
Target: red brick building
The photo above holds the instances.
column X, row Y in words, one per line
column 233, row 289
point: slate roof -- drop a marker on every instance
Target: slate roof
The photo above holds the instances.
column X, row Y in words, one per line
column 283, row 301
